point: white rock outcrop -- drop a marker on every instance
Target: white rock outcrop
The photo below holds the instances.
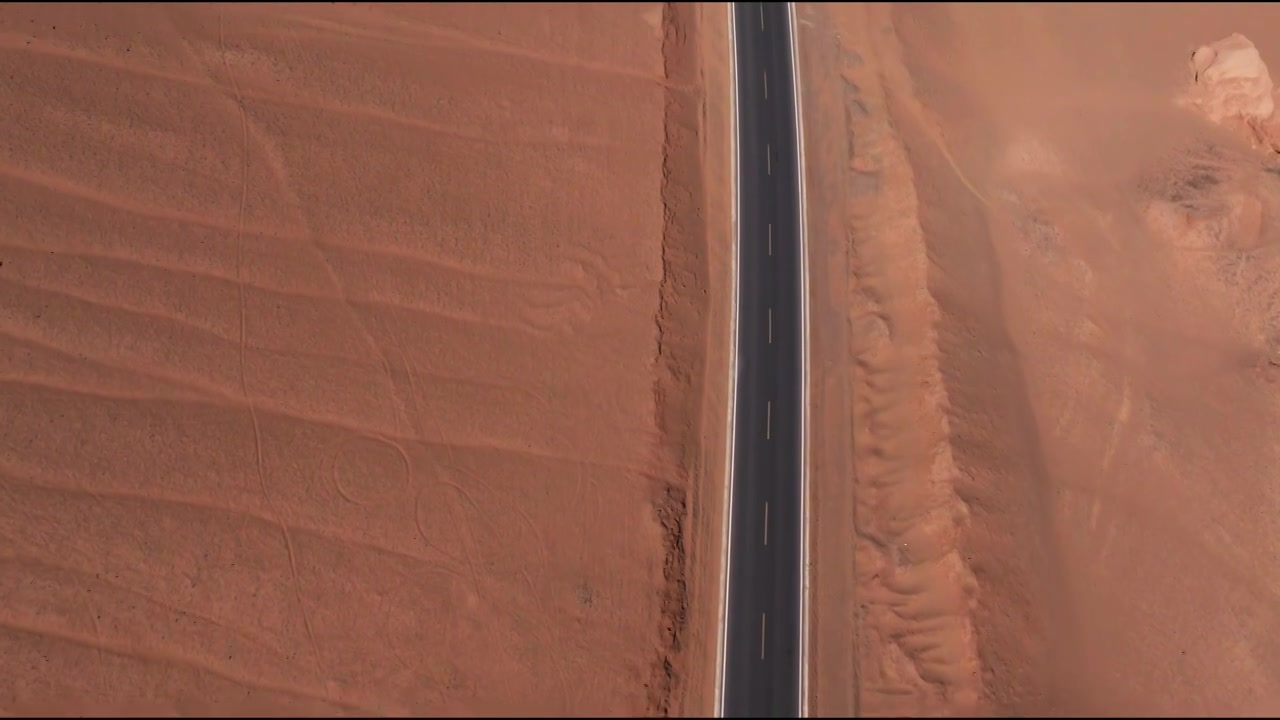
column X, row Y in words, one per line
column 1231, row 85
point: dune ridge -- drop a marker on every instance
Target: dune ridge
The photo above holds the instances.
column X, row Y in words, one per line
column 1060, row 312
column 916, row 589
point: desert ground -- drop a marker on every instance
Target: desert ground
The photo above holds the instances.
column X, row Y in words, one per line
column 1047, row 344
column 361, row 359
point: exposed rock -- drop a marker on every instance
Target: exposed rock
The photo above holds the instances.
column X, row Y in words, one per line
column 1231, row 85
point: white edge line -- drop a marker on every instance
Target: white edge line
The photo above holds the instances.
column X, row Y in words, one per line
column 727, row 519
column 803, row 221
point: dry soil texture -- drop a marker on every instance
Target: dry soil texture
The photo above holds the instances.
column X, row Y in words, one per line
column 1047, row 336
column 354, row 357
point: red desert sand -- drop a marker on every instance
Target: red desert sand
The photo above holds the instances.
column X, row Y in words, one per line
column 360, row 359
column 1046, row 283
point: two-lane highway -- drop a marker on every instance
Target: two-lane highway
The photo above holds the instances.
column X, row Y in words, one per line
column 761, row 654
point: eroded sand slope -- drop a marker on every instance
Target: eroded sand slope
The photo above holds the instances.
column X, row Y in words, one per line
column 1056, row 323
column 352, row 358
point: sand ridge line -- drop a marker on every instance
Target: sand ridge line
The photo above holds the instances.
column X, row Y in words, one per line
column 456, row 39
column 337, row 423
column 246, row 513
column 297, row 99
column 389, row 253
column 209, row 334
column 84, row 193
column 81, row 575
column 213, row 395
column 178, row 659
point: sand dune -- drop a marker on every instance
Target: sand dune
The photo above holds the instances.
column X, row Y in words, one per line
column 355, row 357
column 1054, row 320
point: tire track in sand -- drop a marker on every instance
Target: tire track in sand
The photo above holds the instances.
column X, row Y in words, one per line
column 244, row 387
column 459, row 516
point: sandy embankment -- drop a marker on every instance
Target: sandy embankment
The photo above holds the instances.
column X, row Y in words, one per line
column 1055, row 323
column 354, row 358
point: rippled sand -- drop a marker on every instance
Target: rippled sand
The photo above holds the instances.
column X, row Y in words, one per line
column 342, row 366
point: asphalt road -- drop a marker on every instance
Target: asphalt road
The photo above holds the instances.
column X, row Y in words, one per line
column 764, row 597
